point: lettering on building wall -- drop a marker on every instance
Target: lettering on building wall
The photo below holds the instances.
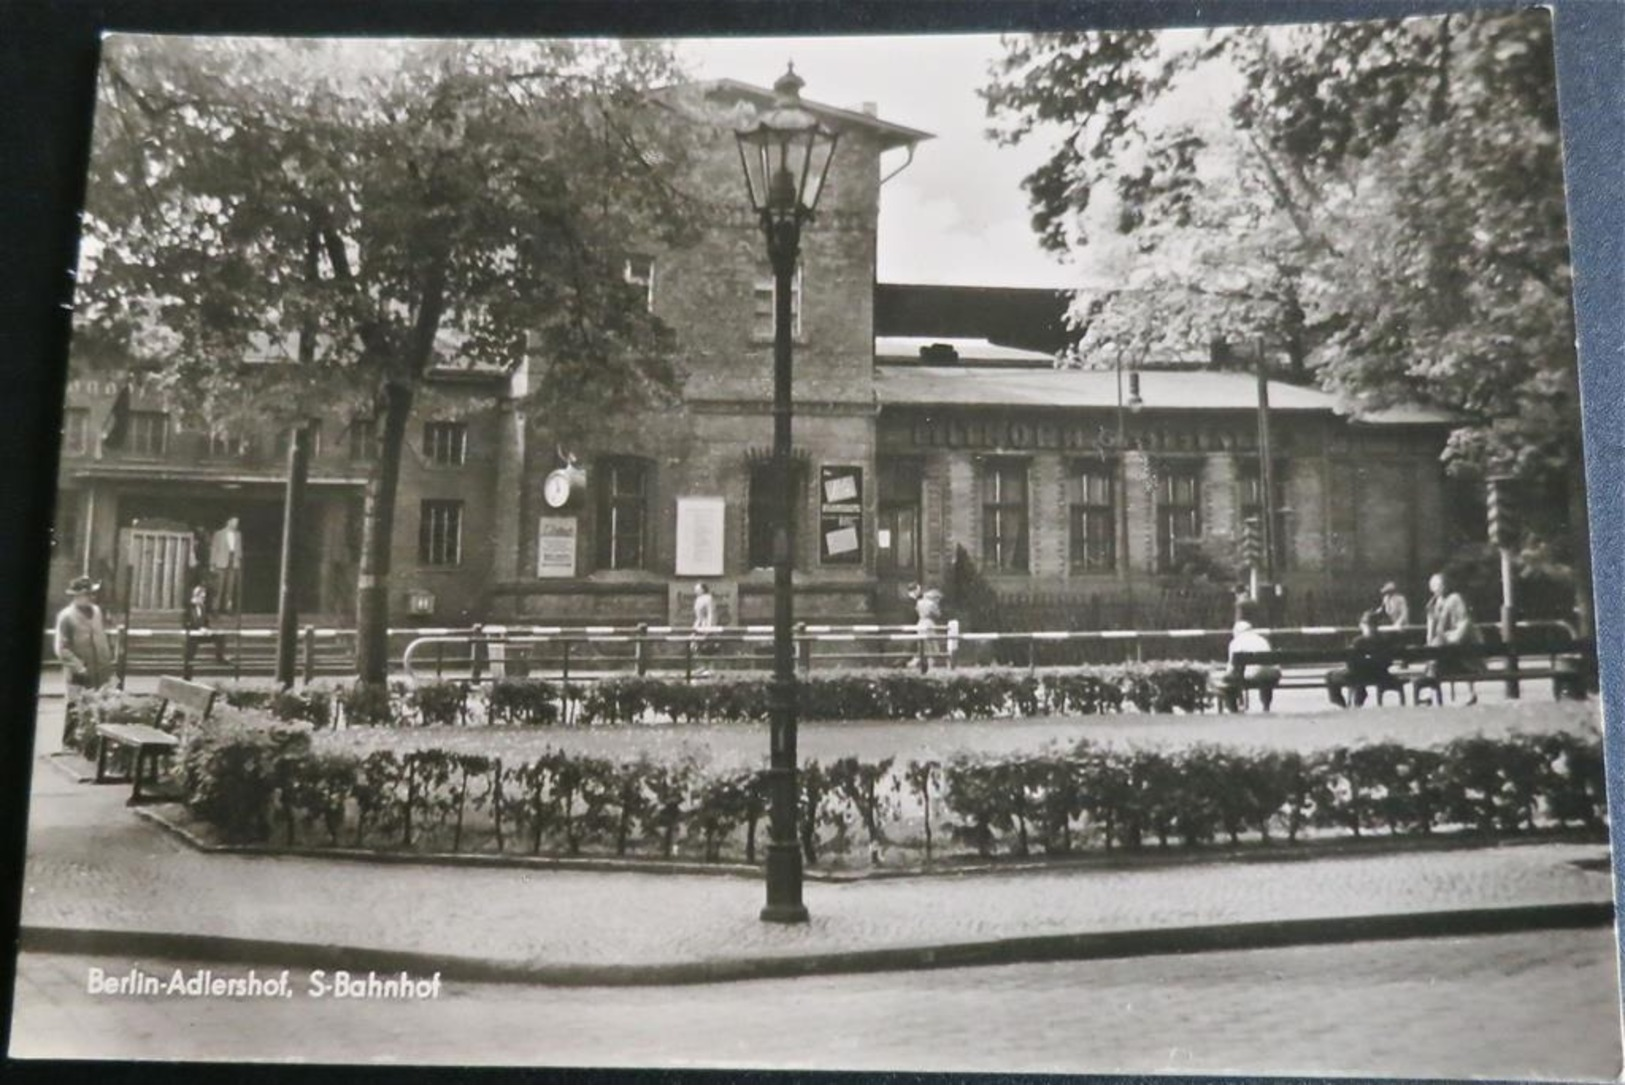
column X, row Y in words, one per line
column 1097, row 434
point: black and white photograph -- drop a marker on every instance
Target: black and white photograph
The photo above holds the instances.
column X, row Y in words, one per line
column 1058, row 551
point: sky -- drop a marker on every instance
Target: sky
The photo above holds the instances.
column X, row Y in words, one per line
column 958, row 213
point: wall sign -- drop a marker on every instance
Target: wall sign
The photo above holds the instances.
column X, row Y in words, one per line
column 556, row 546
column 700, row 535
column 840, row 515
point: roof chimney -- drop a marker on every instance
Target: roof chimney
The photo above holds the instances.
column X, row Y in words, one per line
column 867, row 109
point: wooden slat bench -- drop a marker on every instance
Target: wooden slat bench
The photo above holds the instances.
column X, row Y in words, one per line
column 149, row 743
column 1565, row 664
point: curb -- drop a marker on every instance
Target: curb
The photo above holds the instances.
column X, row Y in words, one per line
column 1064, row 947
column 1302, row 853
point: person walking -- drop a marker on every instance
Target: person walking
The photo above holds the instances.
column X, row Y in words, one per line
column 81, row 644
column 927, row 609
column 1450, row 626
column 1396, row 611
column 197, row 625
column 705, row 621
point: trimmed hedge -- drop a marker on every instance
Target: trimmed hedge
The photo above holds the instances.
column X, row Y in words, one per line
column 257, row 779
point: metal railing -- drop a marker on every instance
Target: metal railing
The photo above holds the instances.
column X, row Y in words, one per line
column 483, row 652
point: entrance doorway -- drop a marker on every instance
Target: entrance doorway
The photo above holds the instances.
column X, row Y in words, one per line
column 258, row 519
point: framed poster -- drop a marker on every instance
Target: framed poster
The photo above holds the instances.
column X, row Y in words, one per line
column 556, row 546
column 840, row 515
column 700, row 535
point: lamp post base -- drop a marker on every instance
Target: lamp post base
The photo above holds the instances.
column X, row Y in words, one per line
column 784, row 913
column 784, row 904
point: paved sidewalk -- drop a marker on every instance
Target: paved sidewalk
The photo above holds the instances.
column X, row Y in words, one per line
column 93, row 866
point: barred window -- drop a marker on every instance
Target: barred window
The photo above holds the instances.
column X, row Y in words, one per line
column 366, row 443
column 440, row 533
column 1004, row 515
column 148, row 433
column 1092, row 501
column 445, row 444
column 1179, row 513
column 622, row 490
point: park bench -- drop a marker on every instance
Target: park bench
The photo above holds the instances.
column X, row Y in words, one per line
column 147, row 742
column 1565, row 664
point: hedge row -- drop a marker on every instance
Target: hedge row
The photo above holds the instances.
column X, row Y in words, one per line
column 982, row 693
column 257, row 779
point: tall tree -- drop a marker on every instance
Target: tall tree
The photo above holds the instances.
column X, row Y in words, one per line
column 280, row 227
column 1384, row 199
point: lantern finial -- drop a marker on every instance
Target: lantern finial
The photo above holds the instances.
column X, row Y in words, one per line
column 788, row 86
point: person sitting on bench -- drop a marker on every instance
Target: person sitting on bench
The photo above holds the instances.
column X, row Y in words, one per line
column 1368, row 666
column 1233, row 683
column 1450, row 625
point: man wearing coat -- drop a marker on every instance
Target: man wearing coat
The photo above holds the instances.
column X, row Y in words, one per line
column 81, row 644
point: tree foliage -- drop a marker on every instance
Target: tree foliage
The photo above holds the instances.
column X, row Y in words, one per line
column 1384, row 200
column 286, row 227
column 1380, row 202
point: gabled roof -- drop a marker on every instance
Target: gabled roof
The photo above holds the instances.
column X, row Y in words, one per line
column 891, row 135
column 991, row 386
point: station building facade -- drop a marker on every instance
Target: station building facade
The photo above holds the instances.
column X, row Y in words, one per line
column 909, row 450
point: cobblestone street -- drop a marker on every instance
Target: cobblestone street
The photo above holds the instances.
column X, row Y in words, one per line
column 1539, row 1005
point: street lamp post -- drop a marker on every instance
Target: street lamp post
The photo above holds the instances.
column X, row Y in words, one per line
column 786, row 155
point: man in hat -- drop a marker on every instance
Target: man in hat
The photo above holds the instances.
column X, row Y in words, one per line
column 81, row 644
column 1394, row 607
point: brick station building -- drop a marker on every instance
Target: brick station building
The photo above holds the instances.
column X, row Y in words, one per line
column 909, row 447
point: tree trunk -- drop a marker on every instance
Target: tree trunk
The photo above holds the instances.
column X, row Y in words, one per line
column 377, row 536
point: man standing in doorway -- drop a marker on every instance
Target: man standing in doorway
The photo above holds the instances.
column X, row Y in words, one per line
column 81, row 644
column 226, row 567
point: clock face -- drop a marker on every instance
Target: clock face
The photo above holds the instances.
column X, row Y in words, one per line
column 556, row 490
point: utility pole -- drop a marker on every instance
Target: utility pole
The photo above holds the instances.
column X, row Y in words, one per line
column 1503, row 516
column 293, row 507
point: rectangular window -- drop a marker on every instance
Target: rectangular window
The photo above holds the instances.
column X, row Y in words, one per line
column 762, row 511
column 623, row 496
column 639, row 271
column 148, row 433
column 440, row 533
column 898, row 497
column 1004, row 515
column 445, row 444
column 762, row 322
column 1092, row 500
column 1252, row 507
column 366, row 443
column 76, row 438
column 313, row 443
column 225, row 445
column 1179, row 514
